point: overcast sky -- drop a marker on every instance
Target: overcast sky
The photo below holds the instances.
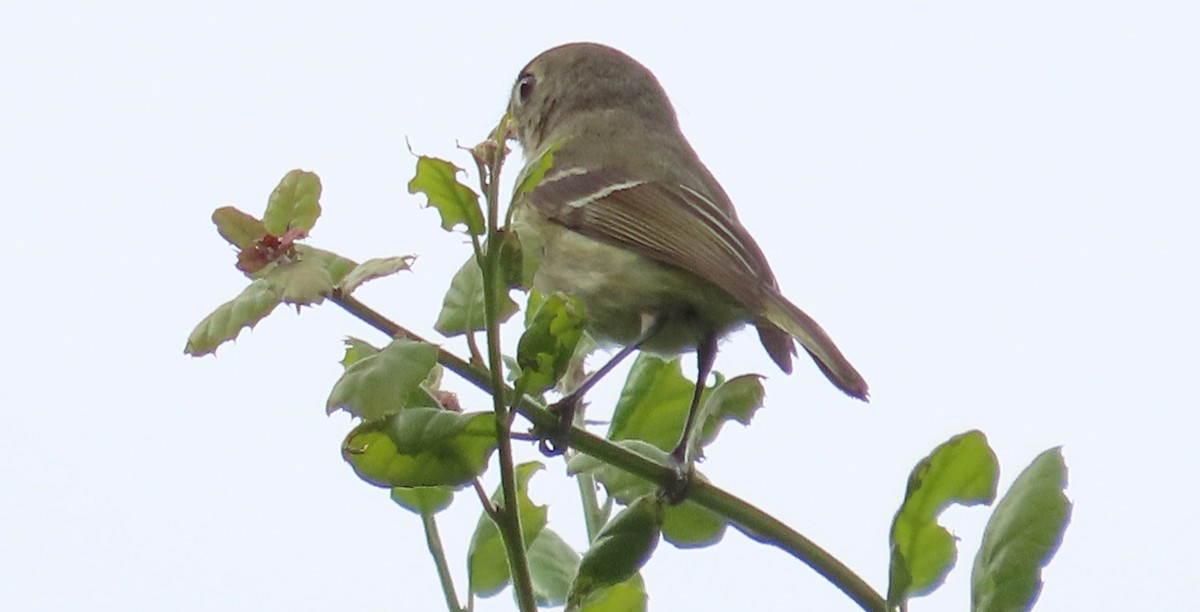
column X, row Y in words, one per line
column 992, row 210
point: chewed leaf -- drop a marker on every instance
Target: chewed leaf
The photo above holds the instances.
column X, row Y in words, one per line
column 963, row 470
column 549, row 341
column 254, row 302
column 457, row 203
column 295, row 203
column 377, row 385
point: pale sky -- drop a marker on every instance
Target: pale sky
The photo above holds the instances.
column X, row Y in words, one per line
column 993, row 210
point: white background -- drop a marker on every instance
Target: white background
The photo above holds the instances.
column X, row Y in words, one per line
column 992, row 210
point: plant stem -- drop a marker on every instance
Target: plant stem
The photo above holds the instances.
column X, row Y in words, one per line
column 748, row 519
column 509, row 524
column 434, row 541
column 592, row 516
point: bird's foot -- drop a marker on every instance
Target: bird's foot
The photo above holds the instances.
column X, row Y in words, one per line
column 677, row 487
column 555, row 441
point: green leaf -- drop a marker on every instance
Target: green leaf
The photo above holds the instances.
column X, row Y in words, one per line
column 628, row 596
column 512, row 261
column 621, row 485
column 357, row 350
column 423, row 501
column 552, row 564
column 294, row 204
column 690, row 525
column 962, row 470
column 380, row 384
column 532, row 174
column 735, row 399
column 457, row 203
column 462, row 308
column 487, row 562
column 620, row 548
column 421, row 447
column 1022, row 536
column 655, row 400
column 305, row 282
column 337, row 265
column 238, row 228
column 373, row 269
column 686, row 525
column 422, row 395
column 545, row 349
column 250, row 306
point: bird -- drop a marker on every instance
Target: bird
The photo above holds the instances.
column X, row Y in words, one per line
column 630, row 221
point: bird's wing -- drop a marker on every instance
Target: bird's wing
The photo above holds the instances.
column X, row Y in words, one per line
column 679, row 226
column 666, row 222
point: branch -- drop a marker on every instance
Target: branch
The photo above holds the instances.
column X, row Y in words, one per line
column 745, row 517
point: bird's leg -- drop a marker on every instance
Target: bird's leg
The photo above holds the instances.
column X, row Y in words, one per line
column 556, row 442
column 706, row 354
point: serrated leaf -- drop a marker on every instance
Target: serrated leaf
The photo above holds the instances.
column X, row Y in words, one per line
column 337, row 265
column 421, row 447
column 294, row 204
column 372, row 269
column 423, row 501
column 654, row 402
column 462, row 308
column 238, row 228
column 304, row 283
column 225, row 323
column 1021, row 537
column 620, row 548
column 487, row 562
column 384, row 383
column 357, row 350
column 545, row 349
column 457, row 203
column 552, row 565
column 962, row 470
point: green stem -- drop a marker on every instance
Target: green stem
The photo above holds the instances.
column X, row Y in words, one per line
column 509, row 524
column 434, row 541
column 593, row 518
column 745, row 517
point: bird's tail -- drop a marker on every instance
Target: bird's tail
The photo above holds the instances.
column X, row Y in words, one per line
column 784, row 319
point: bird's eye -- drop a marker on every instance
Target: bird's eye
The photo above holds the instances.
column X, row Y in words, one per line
column 524, row 88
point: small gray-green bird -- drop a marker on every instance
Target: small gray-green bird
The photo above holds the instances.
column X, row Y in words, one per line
column 630, row 221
